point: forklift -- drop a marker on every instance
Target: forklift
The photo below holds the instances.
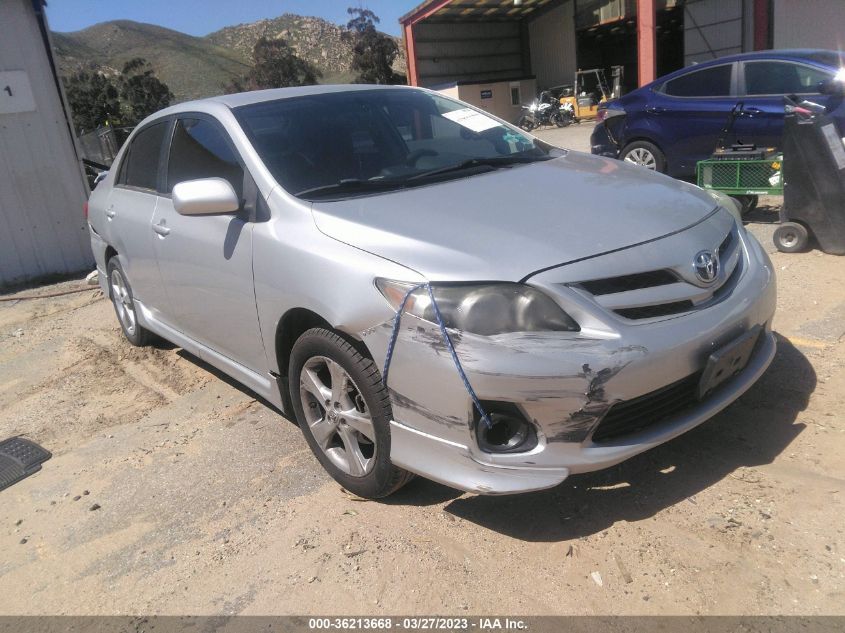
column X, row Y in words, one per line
column 590, row 90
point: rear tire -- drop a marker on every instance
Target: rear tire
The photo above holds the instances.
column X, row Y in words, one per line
column 344, row 412
column 120, row 293
column 644, row 154
column 561, row 120
column 526, row 124
column 749, row 203
column 791, row 237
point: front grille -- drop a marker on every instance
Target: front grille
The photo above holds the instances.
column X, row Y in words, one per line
column 625, row 283
column 634, row 415
column 652, row 312
column 668, row 291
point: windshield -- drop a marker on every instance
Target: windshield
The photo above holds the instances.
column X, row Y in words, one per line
column 359, row 142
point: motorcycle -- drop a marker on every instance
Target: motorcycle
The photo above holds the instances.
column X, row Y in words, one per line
column 545, row 110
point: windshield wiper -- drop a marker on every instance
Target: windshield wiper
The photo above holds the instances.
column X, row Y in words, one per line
column 494, row 162
column 348, row 185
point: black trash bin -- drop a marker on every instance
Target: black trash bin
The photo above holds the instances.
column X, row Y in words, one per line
column 814, row 183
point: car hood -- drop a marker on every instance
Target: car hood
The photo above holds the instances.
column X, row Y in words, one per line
column 507, row 224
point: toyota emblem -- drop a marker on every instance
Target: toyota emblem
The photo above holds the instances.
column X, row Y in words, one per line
column 706, row 266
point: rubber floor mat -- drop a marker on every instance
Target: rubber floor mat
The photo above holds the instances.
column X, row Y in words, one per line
column 19, row 458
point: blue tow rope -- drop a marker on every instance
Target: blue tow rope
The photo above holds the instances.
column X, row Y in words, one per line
column 397, row 320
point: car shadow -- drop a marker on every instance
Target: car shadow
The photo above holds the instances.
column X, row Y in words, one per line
column 751, row 432
column 211, row 369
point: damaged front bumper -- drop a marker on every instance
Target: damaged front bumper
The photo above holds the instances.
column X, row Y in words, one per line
column 564, row 384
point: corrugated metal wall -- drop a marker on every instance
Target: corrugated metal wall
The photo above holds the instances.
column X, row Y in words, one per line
column 714, row 28
column 820, row 25
column 42, row 230
column 552, row 36
column 458, row 51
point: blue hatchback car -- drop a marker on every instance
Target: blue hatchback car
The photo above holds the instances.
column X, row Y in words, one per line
column 674, row 122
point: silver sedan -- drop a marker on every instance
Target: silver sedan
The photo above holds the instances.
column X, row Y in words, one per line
column 428, row 289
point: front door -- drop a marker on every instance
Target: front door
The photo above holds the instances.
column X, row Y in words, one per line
column 205, row 262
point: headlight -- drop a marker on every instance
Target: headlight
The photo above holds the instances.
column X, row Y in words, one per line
column 485, row 309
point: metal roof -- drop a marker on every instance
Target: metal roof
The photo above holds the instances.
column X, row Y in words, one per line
column 460, row 10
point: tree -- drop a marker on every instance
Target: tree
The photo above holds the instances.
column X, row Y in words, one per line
column 141, row 92
column 373, row 53
column 94, row 100
column 275, row 65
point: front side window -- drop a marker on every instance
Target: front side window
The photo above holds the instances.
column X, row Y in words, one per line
column 200, row 149
column 710, row 82
column 360, row 141
column 140, row 167
column 781, row 78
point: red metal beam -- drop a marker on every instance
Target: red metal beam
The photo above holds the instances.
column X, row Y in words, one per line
column 411, row 55
column 761, row 24
column 646, row 41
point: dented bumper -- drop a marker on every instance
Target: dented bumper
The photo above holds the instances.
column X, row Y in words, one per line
column 563, row 384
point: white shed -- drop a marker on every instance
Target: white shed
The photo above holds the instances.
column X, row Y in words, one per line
column 42, row 185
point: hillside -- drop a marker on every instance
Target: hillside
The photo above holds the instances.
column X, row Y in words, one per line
column 314, row 39
column 195, row 67
column 191, row 66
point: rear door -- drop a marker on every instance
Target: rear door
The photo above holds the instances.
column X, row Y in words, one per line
column 690, row 111
column 129, row 212
column 763, row 86
column 206, row 261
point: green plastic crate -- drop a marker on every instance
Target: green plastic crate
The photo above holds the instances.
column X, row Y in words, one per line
column 743, row 177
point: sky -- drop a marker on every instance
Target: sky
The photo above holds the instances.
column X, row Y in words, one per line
column 201, row 17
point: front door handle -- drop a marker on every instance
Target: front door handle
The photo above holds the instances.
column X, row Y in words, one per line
column 752, row 111
column 161, row 229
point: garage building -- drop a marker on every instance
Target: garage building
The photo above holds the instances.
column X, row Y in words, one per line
column 496, row 54
column 42, row 185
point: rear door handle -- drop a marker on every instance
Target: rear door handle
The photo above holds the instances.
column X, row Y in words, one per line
column 655, row 109
column 752, row 111
column 161, row 229
column 110, row 213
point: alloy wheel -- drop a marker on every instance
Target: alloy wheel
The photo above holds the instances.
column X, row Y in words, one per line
column 337, row 416
column 122, row 300
column 642, row 157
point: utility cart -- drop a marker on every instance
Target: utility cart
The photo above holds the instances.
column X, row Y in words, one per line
column 741, row 171
column 743, row 177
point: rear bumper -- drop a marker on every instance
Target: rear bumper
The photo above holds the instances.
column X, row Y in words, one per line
column 456, row 465
column 600, row 143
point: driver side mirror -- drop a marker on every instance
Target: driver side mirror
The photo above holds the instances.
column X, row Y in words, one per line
column 208, row 196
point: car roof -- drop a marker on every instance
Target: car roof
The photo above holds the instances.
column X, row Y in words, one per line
column 258, row 96
column 810, row 55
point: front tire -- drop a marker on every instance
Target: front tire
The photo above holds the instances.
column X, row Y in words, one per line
column 344, row 412
column 120, row 293
column 644, row 154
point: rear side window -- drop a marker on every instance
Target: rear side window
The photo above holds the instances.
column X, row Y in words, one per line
column 710, row 82
column 200, row 149
column 781, row 78
column 140, row 167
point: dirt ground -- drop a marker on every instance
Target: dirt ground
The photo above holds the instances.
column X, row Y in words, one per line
column 173, row 491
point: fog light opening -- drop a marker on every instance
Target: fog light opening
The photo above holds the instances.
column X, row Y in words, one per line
column 509, row 432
